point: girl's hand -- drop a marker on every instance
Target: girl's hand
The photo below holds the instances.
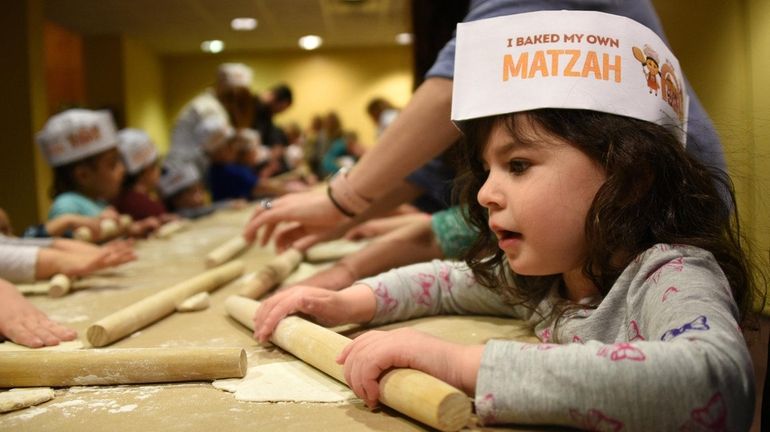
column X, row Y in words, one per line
column 328, row 308
column 374, row 352
column 24, row 324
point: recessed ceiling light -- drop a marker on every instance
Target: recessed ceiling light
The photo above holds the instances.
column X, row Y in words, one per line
column 404, row 38
column 310, row 42
column 243, row 24
column 212, row 46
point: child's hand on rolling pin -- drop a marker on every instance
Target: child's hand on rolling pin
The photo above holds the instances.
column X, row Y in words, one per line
column 355, row 304
column 375, row 352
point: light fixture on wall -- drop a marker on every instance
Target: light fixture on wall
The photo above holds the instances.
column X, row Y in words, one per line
column 212, row 46
column 243, row 24
column 404, row 38
column 310, row 42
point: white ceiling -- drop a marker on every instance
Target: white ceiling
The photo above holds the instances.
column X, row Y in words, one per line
column 179, row 26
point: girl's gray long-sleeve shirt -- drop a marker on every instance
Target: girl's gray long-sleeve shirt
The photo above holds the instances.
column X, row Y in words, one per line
column 662, row 351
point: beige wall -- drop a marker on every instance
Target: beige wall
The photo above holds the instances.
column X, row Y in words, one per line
column 143, row 87
column 342, row 80
column 723, row 49
column 758, row 13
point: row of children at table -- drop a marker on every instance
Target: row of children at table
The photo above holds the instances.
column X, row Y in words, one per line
column 101, row 174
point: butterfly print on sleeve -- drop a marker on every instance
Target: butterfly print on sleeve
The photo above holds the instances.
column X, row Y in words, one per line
column 699, row 323
column 388, row 303
column 633, row 331
column 669, row 292
column 621, row 351
column 710, row 417
column 676, row 264
column 596, row 420
column 423, row 295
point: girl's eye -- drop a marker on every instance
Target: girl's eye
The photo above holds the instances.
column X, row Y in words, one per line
column 518, row 166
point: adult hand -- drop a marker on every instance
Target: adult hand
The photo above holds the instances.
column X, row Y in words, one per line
column 24, row 324
column 374, row 352
column 312, row 211
column 328, row 308
column 380, row 226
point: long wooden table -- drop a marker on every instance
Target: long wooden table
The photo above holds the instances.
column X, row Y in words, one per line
column 199, row 406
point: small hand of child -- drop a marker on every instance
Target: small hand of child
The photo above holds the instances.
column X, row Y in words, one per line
column 374, row 352
column 23, row 323
column 142, row 228
column 326, row 307
column 110, row 213
column 109, row 256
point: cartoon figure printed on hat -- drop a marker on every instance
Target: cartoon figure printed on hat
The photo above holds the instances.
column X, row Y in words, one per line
column 672, row 87
column 588, row 210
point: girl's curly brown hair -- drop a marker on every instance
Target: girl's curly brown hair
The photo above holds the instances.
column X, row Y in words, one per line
column 655, row 193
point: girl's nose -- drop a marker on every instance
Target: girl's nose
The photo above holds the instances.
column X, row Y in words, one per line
column 489, row 195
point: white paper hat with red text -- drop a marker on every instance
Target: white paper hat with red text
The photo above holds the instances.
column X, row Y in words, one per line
column 137, row 149
column 177, row 177
column 567, row 59
column 76, row 134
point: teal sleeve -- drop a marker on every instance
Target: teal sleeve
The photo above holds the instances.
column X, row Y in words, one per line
column 453, row 234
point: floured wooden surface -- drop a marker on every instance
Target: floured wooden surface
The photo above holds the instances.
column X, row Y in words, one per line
column 200, row 406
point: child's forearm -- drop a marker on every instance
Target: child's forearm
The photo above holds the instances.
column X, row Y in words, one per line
column 469, row 361
column 64, row 244
column 361, row 301
column 49, row 263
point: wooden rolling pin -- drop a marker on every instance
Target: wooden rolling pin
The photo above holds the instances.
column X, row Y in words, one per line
column 57, row 286
column 409, row 391
column 226, row 251
column 152, row 308
column 272, row 274
column 166, row 230
column 60, row 285
column 119, row 366
column 108, row 228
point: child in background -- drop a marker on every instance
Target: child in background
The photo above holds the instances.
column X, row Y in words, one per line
column 594, row 225
column 183, row 192
column 138, row 195
column 81, row 146
column 230, row 179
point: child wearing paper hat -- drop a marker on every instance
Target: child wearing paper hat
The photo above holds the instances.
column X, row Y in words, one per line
column 183, row 192
column 81, row 147
column 595, row 227
column 138, row 195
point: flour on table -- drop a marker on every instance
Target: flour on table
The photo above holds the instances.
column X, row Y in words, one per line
column 290, row 381
column 63, row 346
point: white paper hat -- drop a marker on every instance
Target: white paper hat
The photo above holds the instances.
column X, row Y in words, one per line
column 176, row 177
column 567, row 59
column 234, row 75
column 137, row 149
column 76, row 134
column 212, row 132
column 247, row 139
